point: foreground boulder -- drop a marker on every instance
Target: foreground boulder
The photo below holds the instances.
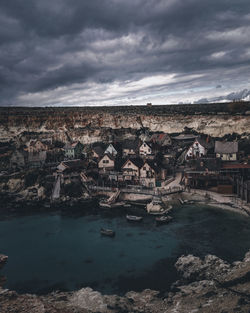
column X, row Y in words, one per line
column 193, row 268
column 206, row 285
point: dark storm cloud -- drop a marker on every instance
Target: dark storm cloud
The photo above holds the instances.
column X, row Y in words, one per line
column 94, row 45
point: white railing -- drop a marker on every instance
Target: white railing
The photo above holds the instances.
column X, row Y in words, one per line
column 138, row 190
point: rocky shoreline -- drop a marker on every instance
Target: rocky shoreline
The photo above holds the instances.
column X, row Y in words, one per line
column 217, row 200
column 205, row 285
column 3, row 260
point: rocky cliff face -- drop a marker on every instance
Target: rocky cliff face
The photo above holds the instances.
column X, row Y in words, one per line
column 3, row 260
column 93, row 124
column 205, row 286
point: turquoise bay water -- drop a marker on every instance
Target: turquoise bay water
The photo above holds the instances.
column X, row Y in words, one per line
column 54, row 251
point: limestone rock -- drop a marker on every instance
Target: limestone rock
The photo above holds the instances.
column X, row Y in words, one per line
column 87, row 298
column 193, row 268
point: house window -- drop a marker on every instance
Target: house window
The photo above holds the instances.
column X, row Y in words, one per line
column 144, row 168
column 129, row 163
column 144, row 145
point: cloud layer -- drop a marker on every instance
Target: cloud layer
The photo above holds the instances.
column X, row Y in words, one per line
column 112, row 52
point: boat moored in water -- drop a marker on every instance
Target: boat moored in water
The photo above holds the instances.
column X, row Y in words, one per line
column 163, row 219
column 107, row 232
column 134, row 218
column 127, row 205
column 161, row 212
column 157, row 207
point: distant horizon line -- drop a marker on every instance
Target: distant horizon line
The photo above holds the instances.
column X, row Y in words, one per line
column 124, row 105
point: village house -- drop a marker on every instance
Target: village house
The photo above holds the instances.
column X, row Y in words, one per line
column 161, row 139
column 151, row 175
column 37, row 159
column 18, row 159
column 107, row 162
column 115, row 176
column 111, row 150
column 148, row 175
column 204, row 172
column 36, row 146
column 73, row 150
column 129, row 148
column 131, row 169
column 226, row 151
column 71, row 169
column 198, row 149
column 145, row 149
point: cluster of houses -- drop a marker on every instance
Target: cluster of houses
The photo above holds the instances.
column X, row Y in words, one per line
column 150, row 160
column 35, row 154
column 134, row 162
column 217, row 166
column 147, row 160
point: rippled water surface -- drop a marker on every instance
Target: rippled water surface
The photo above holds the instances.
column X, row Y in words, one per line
column 55, row 251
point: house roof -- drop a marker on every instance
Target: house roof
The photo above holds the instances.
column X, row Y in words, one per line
column 112, row 146
column 147, row 143
column 226, row 147
column 110, row 156
column 71, row 145
column 67, row 146
column 98, row 150
column 136, row 161
column 161, row 139
column 185, row 137
column 130, row 144
column 204, row 143
column 153, row 165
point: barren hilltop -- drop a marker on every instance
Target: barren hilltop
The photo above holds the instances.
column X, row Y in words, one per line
column 217, row 119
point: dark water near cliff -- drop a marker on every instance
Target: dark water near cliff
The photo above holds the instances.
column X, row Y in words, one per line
column 55, row 251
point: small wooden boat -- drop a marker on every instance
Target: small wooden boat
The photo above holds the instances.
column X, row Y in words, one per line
column 107, row 232
column 163, row 219
column 127, row 205
column 162, row 212
column 134, row 218
column 104, row 204
column 188, row 202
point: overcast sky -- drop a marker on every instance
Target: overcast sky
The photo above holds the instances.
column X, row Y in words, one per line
column 114, row 52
